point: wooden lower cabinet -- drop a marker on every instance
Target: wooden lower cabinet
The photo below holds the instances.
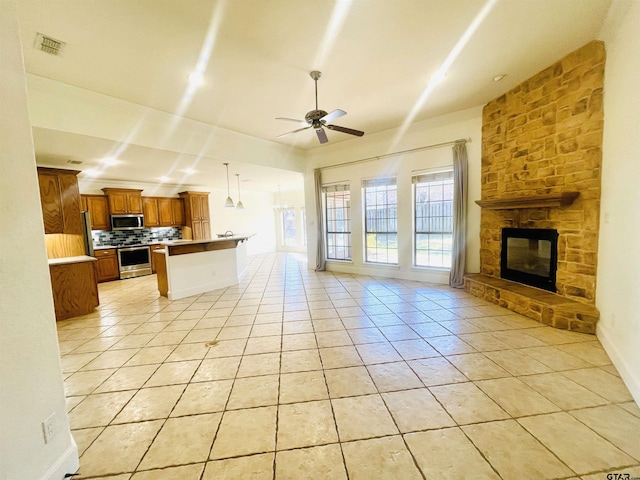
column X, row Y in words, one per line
column 74, row 287
column 107, row 265
column 154, row 262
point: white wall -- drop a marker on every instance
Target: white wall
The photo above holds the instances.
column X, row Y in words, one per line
column 465, row 124
column 257, row 217
column 618, row 282
column 31, row 386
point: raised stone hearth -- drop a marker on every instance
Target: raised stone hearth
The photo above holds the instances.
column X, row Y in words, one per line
column 545, row 307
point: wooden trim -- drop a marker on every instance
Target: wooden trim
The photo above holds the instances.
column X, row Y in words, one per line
column 161, row 273
column 202, row 247
column 539, row 201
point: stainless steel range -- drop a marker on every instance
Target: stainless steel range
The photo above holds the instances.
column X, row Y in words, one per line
column 134, row 261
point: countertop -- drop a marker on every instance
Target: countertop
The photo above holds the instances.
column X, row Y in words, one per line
column 66, row 260
column 194, row 242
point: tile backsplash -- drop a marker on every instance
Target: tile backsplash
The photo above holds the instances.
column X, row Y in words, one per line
column 132, row 237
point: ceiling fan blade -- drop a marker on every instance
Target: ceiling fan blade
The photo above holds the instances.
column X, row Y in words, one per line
column 322, row 135
column 294, row 131
column 350, row 131
column 331, row 116
column 290, row 119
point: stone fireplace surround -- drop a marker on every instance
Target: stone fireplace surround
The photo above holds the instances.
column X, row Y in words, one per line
column 541, row 163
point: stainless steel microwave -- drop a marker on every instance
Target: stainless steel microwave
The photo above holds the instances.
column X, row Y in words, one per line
column 127, row 222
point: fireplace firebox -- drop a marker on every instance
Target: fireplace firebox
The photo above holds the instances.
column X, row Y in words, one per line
column 530, row 256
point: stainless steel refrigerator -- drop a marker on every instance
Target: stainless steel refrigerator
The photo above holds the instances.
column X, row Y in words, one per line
column 86, row 234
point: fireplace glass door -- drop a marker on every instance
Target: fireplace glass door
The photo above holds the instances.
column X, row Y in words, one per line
column 530, row 256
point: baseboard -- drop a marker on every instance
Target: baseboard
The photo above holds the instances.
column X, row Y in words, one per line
column 68, row 462
column 417, row 275
column 630, row 377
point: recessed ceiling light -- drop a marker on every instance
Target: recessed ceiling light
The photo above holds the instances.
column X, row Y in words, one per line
column 164, row 179
column 110, row 161
column 196, row 79
column 497, row 78
column 92, row 172
column 189, row 171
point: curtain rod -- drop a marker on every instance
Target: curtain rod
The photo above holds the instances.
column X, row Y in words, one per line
column 378, row 157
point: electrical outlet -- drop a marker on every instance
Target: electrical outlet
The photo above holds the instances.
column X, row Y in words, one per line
column 50, row 427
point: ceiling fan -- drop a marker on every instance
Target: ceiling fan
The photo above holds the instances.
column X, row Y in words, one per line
column 319, row 118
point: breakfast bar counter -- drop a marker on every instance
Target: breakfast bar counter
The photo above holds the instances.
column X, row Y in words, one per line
column 187, row 267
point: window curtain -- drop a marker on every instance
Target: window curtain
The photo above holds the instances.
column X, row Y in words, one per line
column 460, row 174
column 320, row 247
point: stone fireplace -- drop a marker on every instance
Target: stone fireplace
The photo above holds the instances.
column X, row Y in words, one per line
column 541, row 164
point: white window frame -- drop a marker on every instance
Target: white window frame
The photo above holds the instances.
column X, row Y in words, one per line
column 381, row 186
column 433, row 220
column 330, row 231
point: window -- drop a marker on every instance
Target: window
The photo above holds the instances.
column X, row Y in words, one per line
column 337, row 199
column 433, row 195
column 381, row 220
column 289, row 227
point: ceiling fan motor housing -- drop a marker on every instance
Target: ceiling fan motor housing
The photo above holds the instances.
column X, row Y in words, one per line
column 313, row 118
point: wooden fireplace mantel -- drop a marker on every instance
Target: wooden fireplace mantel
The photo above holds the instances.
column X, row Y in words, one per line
column 551, row 200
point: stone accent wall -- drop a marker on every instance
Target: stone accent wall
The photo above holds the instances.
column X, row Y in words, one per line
column 543, row 137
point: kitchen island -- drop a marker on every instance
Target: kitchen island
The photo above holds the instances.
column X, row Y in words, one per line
column 191, row 267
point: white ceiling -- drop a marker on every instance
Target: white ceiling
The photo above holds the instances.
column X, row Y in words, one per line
column 376, row 59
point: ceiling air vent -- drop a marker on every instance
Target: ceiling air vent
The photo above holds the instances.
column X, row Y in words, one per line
column 48, row 44
column 75, row 162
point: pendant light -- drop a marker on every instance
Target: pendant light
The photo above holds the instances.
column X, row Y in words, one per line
column 239, row 205
column 229, row 202
column 280, row 206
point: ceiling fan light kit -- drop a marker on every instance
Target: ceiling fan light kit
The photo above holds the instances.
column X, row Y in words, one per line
column 318, row 119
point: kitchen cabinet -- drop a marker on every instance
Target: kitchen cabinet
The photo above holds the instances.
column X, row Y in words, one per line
column 196, row 212
column 151, row 216
column 73, row 285
column 171, row 211
column 107, row 265
column 177, row 207
column 60, row 200
column 124, row 201
column 163, row 211
column 154, row 261
column 98, row 208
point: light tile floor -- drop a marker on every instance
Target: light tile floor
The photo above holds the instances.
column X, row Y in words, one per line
column 295, row 374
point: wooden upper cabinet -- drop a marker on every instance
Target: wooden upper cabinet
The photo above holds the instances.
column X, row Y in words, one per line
column 204, row 207
column 123, row 201
column 151, row 211
column 169, row 212
column 177, row 207
column 60, row 200
column 165, row 212
column 98, row 208
column 196, row 213
column 51, row 201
